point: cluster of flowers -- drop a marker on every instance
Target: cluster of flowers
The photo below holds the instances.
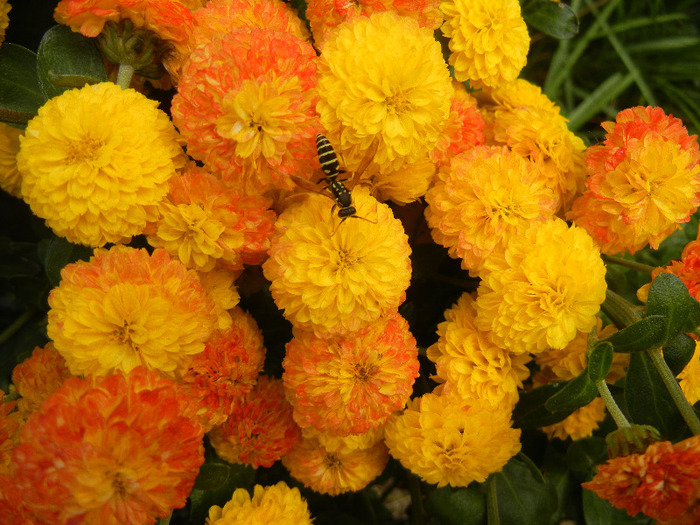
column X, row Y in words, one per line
column 165, row 354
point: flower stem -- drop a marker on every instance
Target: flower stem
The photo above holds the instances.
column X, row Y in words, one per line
column 611, row 405
column 417, row 514
column 15, row 326
column 632, row 265
column 674, row 389
column 124, row 75
column 620, row 310
column 492, row 517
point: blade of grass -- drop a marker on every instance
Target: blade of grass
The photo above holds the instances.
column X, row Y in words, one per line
column 594, row 102
column 677, row 43
column 638, row 23
column 690, row 108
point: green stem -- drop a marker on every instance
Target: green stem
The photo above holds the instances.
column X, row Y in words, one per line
column 620, row 310
column 627, row 263
column 611, row 405
column 124, row 75
column 15, row 326
column 417, row 514
column 492, row 516
column 674, row 389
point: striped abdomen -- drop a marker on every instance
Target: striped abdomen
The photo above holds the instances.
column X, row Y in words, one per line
column 327, row 158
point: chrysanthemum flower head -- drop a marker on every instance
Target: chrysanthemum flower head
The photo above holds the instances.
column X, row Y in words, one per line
column 204, row 223
column 10, row 423
column 219, row 284
column 260, row 429
column 452, row 441
column 246, row 106
column 126, row 454
column 690, row 377
column 277, row 504
column 485, row 197
column 4, row 18
column 548, row 286
column 348, row 385
column 579, row 424
column 475, row 367
column 663, row 482
column 336, row 276
column 687, row 269
column 333, row 443
column 96, row 161
column 404, row 185
column 226, row 370
column 488, row 40
column 383, row 78
column 10, row 179
column 644, row 181
column 335, row 472
column 125, row 308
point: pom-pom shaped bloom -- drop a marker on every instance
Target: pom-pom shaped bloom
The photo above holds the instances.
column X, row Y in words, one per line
column 336, row 276
column 277, row 504
column 579, row 424
column 383, row 78
column 547, row 287
column 96, row 161
column 10, row 179
column 663, row 482
column 404, row 185
column 125, row 308
column 483, row 199
column 325, row 15
column 475, row 368
column 126, row 454
column 4, row 18
column 687, row 269
column 334, row 443
column 246, row 106
column 220, row 17
column 226, row 370
column 690, row 377
column 452, row 441
column 171, row 20
column 335, row 472
column 203, row 222
column 13, row 509
column 37, row 376
column 644, row 181
column 512, row 95
column 10, row 422
column 349, row 385
column 260, row 429
column 488, row 40
column 219, row 284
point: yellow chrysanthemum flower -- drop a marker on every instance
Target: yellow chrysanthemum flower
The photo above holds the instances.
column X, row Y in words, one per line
column 452, row 441
column 488, row 40
column 690, row 378
column 95, row 163
column 10, row 179
column 4, row 18
column 547, row 287
column 474, row 367
column 354, row 441
column 383, row 78
column 334, row 276
column 516, row 94
column 277, row 504
column 219, row 284
column 580, row 424
column 484, row 198
column 125, row 308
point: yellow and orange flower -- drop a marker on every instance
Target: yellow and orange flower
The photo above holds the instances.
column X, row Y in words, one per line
column 10, row 179
column 204, row 223
column 260, row 429
column 348, row 385
column 126, row 308
column 687, row 269
column 4, row 18
column 10, row 424
column 246, row 106
column 126, row 454
column 220, row 286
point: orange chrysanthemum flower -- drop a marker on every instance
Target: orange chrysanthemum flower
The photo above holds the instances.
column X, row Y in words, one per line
column 204, row 223
column 687, row 269
column 37, row 376
column 663, row 482
column 260, row 429
column 349, row 385
column 171, row 20
column 125, row 308
column 336, row 277
column 126, row 454
column 246, row 106
column 13, row 509
column 10, row 179
column 10, row 423
column 220, row 17
column 452, row 441
column 471, row 364
column 338, row 471
column 95, row 163
column 227, row 369
column 644, row 181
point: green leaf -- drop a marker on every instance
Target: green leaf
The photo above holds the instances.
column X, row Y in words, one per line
column 219, row 479
column 648, row 401
column 669, row 297
column 59, row 253
column 597, row 511
column 20, row 94
column 679, row 352
column 522, row 497
column 650, row 332
column 599, row 361
column 457, row 506
column 584, row 454
column 68, row 60
column 553, row 19
column 577, row 393
column 530, row 412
